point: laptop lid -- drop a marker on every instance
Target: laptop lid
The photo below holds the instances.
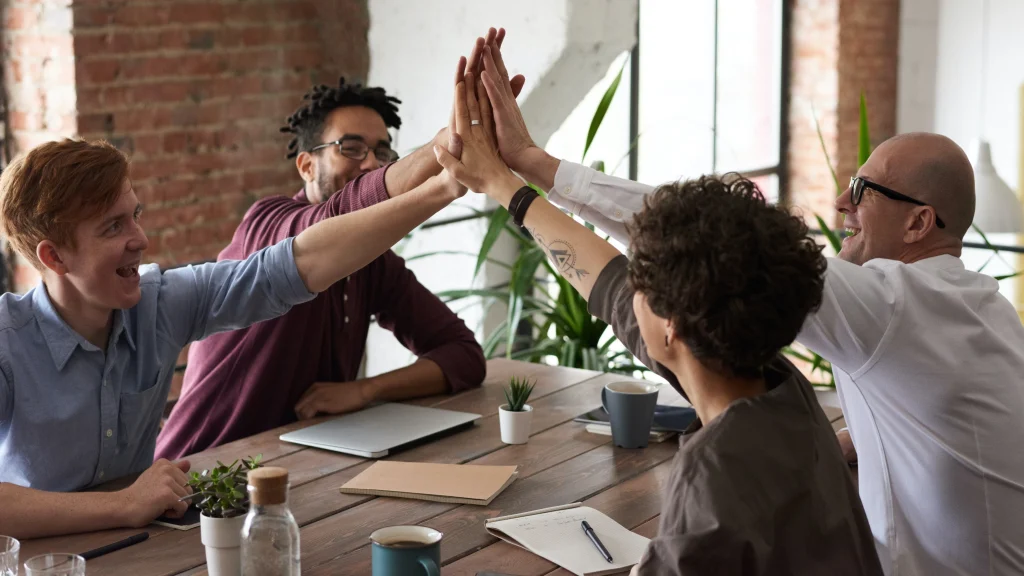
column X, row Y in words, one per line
column 373, row 432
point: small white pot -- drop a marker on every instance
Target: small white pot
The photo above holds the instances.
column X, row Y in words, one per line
column 223, row 540
column 515, row 426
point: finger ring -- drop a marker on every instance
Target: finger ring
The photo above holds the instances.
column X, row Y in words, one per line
column 474, row 122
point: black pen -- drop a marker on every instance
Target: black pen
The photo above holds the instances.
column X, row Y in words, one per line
column 597, row 541
column 140, row 537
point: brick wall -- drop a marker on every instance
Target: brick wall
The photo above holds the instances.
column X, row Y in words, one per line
column 194, row 91
column 840, row 48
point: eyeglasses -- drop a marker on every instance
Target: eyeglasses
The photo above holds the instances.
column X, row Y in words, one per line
column 356, row 149
column 857, row 186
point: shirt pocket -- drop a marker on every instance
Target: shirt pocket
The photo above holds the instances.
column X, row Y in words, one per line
column 139, row 414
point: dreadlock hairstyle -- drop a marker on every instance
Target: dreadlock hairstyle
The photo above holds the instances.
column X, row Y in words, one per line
column 307, row 123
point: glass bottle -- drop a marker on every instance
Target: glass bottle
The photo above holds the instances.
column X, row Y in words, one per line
column 270, row 535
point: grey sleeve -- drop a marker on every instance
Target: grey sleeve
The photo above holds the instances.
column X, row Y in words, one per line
column 611, row 300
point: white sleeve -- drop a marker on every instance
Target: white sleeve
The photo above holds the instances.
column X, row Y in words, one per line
column 857, row 306
column 605, row 201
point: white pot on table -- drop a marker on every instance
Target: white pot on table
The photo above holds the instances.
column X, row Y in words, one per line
column 515, row 426
column 223, row 540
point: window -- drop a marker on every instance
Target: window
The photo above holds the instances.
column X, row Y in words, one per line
column 710, row 96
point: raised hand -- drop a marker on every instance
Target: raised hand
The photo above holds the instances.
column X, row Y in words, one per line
column 480, row 168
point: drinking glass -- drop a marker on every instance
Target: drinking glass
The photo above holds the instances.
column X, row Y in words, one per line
column 9, row 556
column 55, row 565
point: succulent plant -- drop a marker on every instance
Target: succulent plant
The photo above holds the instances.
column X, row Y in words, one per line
column 517, row 393
column 222, row 490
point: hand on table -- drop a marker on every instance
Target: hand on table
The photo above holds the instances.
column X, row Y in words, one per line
column 155, row 493
column 336, row 397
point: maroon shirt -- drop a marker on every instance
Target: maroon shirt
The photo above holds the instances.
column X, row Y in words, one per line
column 244, row 382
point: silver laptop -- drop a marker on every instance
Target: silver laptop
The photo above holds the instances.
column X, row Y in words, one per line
column 373, row 432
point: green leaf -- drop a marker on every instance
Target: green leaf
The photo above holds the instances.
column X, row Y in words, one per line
column 837, row 245
column 494, row 228
column 863, row 136
column 824, row 149
column 1008, row 276
column 602, row 108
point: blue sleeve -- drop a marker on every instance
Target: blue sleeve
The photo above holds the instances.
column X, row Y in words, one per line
column 196, row 301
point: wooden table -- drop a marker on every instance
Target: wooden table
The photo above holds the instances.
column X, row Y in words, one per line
column 562, row 463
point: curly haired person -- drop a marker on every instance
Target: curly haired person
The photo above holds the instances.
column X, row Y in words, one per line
column 719, row 283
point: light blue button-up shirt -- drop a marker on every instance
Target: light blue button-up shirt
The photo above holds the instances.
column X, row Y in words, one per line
column 72, row 415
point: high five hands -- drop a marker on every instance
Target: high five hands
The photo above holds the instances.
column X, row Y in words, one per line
column 487, row 135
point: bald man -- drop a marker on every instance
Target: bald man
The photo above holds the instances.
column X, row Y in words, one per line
column 928, row 356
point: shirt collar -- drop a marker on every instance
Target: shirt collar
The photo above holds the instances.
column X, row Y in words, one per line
column 940, row 262
column 60, row 338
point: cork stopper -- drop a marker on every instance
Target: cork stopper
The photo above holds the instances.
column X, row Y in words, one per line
column 268, row 486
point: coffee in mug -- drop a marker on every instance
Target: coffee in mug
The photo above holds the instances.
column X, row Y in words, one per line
column 406, row 551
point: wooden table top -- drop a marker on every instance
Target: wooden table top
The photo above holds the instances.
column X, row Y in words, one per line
column 561, row 463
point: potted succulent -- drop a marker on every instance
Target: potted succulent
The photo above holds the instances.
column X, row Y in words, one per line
column 223, row 501
column 515, row 414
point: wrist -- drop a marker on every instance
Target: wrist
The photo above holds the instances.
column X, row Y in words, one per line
column 504, row 188
column 537, row 166
column 369, row 390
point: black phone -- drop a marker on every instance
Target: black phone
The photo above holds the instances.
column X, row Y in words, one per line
column 666, row 418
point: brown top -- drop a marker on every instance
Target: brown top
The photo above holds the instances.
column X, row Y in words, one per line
column 269, row 485
column 761, row 489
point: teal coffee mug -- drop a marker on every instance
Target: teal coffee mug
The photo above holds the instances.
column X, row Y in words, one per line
column 406, row 551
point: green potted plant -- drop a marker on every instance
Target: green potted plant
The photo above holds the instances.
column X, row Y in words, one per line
column 515, row 414
column 223, row 502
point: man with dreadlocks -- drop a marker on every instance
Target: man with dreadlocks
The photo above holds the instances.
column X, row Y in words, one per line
column 306, row 362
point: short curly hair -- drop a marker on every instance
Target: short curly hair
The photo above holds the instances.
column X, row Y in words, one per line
column 735, row 275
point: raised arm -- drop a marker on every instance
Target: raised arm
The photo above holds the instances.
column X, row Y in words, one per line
column 414, row 169
column 578, row 254
column 605, row 201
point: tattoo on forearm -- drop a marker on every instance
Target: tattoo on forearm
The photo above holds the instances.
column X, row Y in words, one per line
column 562, row 255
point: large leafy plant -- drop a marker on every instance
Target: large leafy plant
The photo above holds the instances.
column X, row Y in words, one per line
column 222, row 490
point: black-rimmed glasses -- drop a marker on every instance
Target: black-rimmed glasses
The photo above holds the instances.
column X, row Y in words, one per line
column 357, row 149
column 857, row 186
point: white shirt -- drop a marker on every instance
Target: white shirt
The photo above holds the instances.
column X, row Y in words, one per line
column 929, row 364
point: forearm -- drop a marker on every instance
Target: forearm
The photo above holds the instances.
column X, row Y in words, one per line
column 335, row 248
column 29, row 513
column 578, row 254
column 422, row 378
column 411, row 171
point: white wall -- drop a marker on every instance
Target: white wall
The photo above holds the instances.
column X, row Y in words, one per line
column 563, row 47
column 947, row 86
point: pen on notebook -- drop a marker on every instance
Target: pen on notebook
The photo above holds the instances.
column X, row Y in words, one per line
column 597, row 541
column 140, row 537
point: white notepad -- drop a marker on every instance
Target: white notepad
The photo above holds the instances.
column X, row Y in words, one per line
column 556, row 534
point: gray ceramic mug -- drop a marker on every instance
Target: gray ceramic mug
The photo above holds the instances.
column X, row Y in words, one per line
column 406, row 551
column 630, row 405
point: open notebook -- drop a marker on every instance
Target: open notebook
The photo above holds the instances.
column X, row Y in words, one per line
column 556, row 534
column 453, row 483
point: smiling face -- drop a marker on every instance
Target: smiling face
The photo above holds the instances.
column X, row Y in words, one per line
column 926, row 167
column 875, row 227
column 103, row 266
column 328, row 170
